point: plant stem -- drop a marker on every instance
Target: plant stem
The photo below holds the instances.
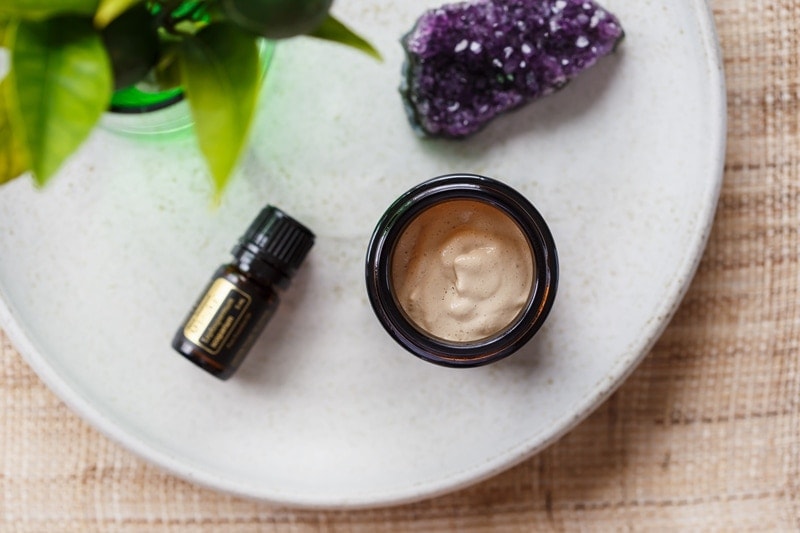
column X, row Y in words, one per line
column 179, row 11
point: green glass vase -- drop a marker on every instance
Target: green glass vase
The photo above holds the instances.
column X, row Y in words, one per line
column 140, row 111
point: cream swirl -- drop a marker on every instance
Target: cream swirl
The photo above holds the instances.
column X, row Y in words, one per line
column 462, row 270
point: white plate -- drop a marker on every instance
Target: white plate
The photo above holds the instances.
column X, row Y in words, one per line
column 98, row 270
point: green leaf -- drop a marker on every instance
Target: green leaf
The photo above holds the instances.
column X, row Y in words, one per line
column 13, row 156
column 333, row 30
column 108, row 10
column 221, row 77
column 132, row 44
column 63, row 85
column 39, row 9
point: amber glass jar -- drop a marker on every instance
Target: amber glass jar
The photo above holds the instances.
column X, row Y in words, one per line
column 460, row 189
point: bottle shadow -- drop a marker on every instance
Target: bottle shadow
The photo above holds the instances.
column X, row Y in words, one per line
column 262, row 368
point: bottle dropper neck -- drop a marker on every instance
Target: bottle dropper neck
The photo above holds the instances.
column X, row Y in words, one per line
column 273, row 247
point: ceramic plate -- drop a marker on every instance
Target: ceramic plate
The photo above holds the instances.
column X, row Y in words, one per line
column 98, row 270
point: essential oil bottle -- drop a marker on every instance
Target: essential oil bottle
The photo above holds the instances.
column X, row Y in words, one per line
column 242, row 295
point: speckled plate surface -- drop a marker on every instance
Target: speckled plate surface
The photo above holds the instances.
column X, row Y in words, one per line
column 98, row 269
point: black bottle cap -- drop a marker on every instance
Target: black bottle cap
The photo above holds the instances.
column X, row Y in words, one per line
column 277, row 239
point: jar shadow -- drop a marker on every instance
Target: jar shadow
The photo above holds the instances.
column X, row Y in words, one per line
column 547, row 114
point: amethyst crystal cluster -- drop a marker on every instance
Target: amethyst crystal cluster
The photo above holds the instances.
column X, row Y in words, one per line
column 468, row 62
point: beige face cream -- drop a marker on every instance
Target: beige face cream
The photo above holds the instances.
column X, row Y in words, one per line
column 462, row 270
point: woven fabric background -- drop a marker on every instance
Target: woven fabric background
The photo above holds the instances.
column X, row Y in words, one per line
column 705, row 435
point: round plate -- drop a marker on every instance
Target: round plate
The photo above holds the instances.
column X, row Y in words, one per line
column 99, row 269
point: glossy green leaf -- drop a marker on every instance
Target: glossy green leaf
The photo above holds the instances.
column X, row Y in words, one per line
column 108, row 10
column 39, row 9
column 13, row 156
column 63, row 85
column 133, row 45
column 333, row 30
column 220, row 73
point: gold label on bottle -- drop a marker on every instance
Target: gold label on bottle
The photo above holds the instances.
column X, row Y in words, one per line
column 217, row 316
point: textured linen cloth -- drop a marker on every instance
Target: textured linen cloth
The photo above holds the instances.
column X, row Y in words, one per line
column 705, row 435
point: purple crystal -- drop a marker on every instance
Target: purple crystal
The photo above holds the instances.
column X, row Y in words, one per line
column 468, row 62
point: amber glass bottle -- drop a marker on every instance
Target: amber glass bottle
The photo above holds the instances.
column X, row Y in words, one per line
column 241, row 297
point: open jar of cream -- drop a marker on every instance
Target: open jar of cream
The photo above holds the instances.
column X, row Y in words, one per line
column 462, row 270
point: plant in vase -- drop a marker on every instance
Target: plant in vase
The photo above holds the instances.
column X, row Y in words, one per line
column 68, row 58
